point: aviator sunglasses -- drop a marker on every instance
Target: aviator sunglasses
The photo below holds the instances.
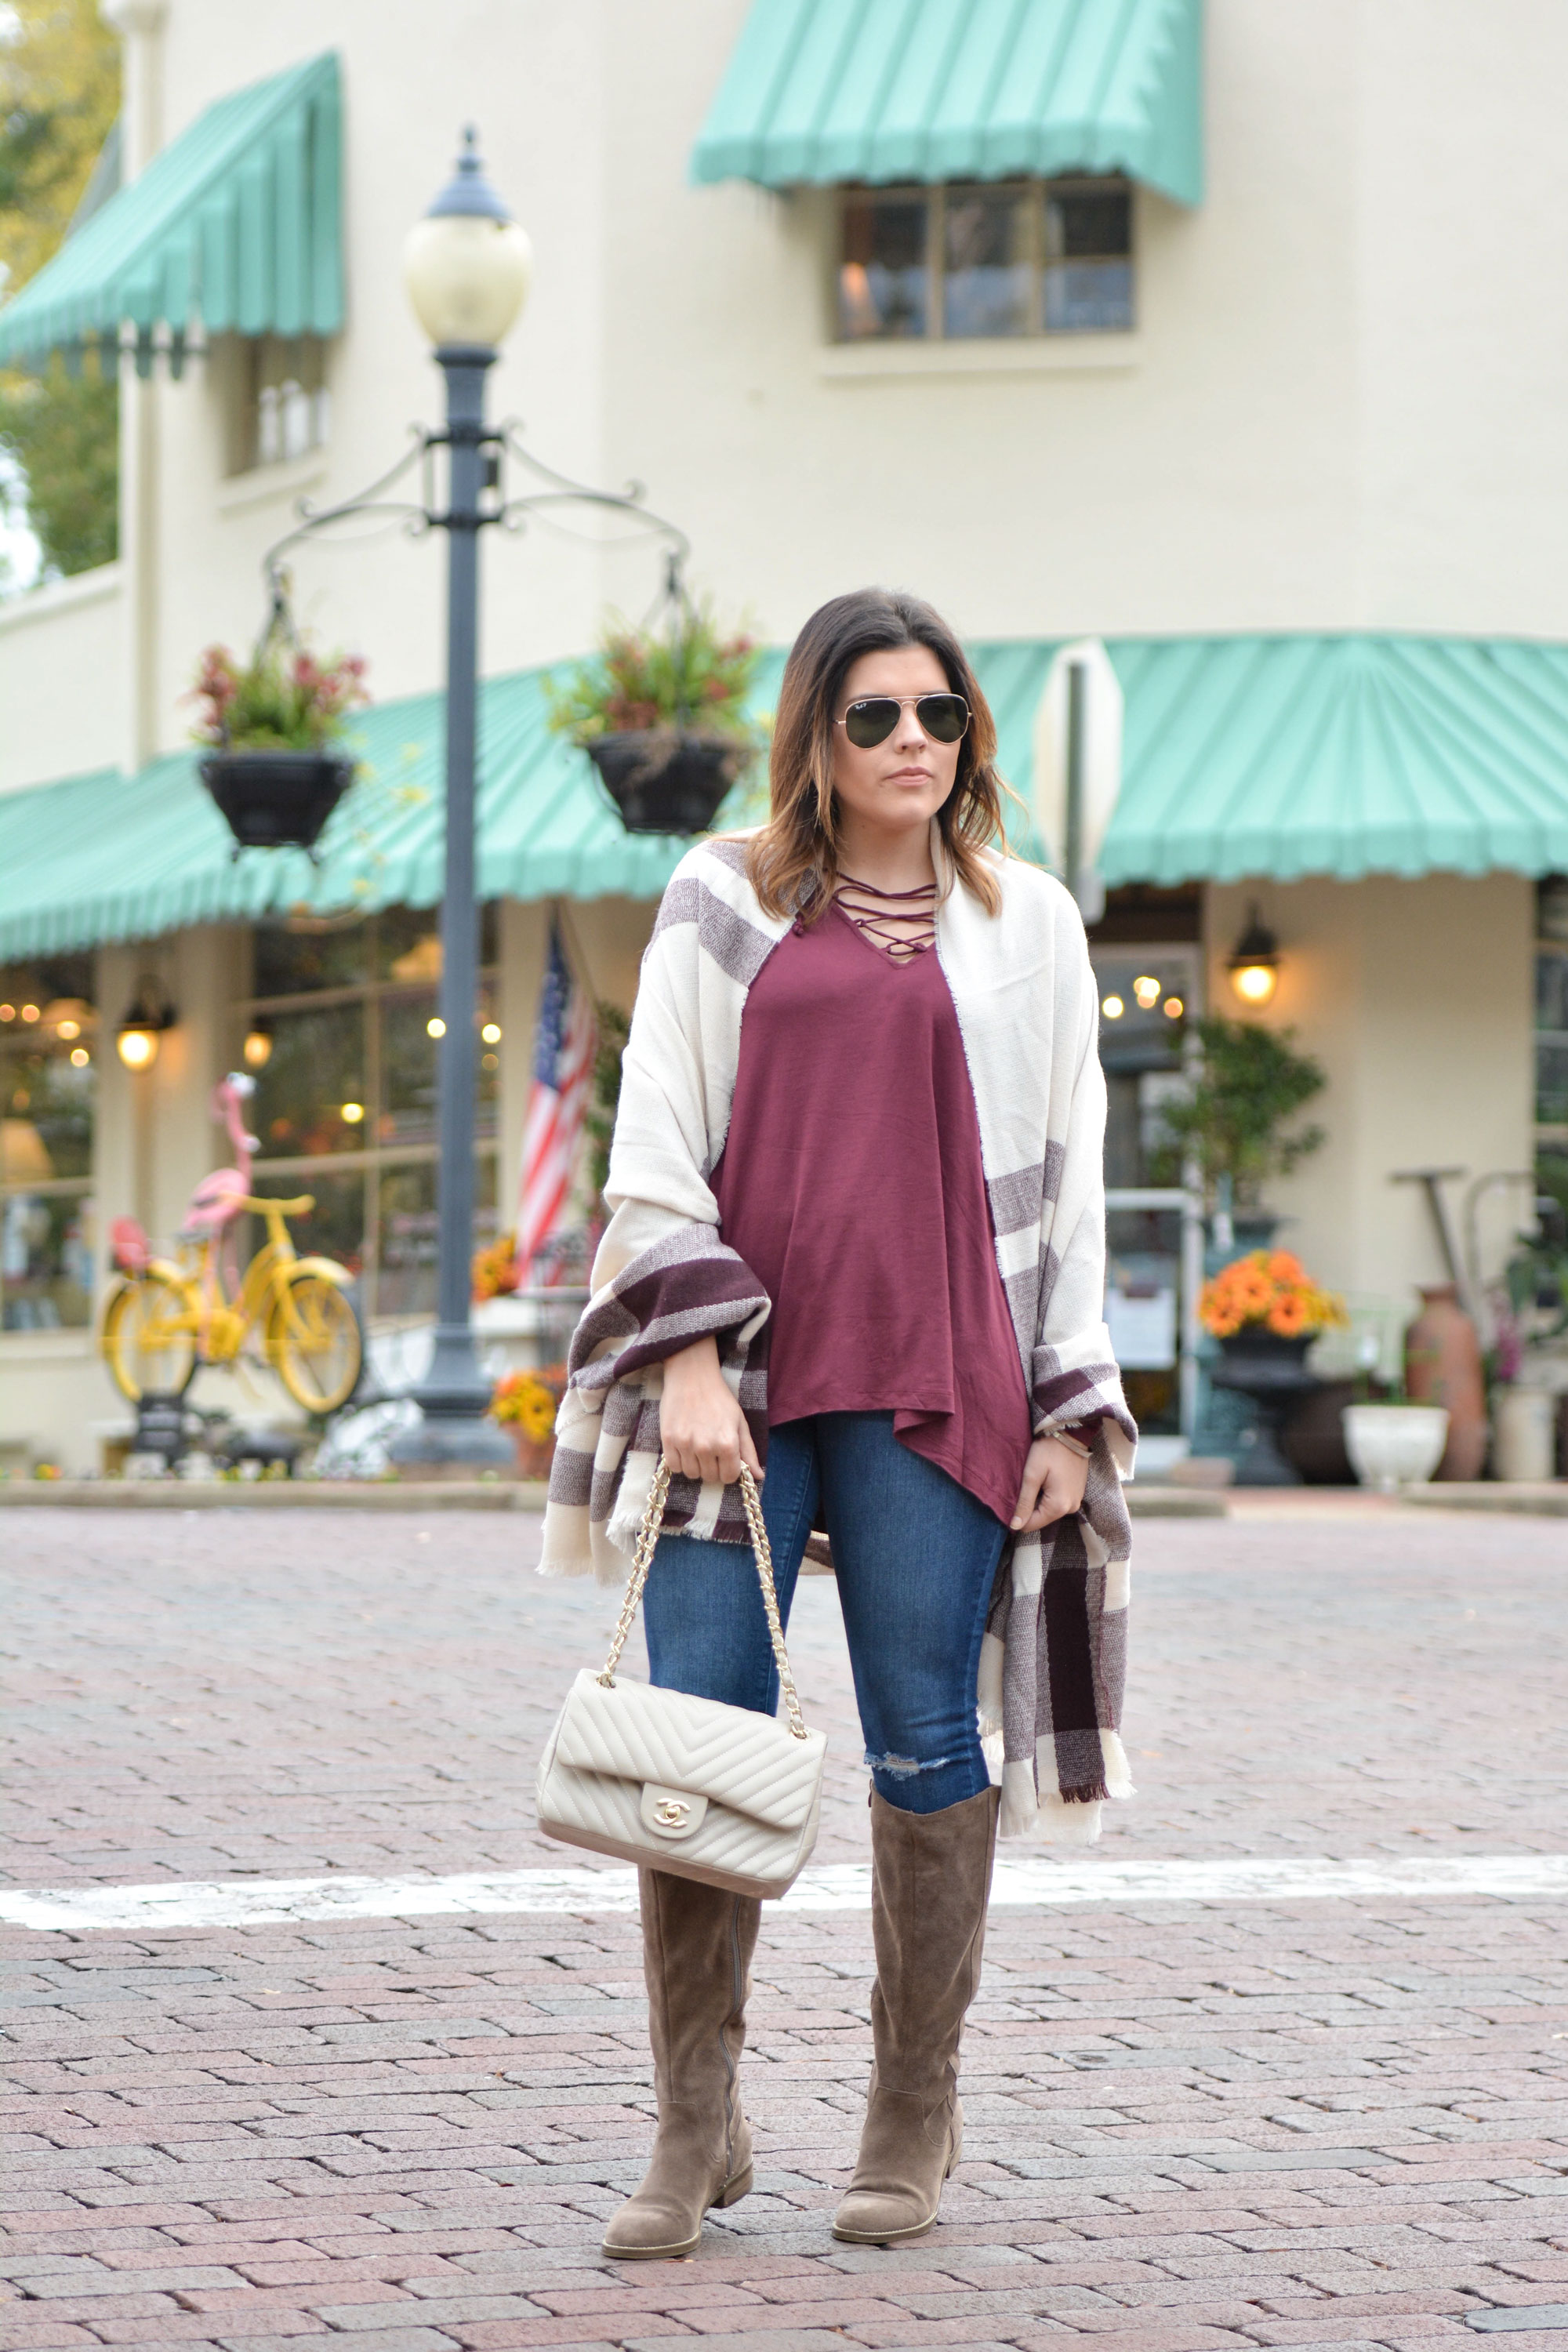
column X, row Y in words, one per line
column 944, row 717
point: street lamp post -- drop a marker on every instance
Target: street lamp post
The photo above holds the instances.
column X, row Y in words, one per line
column 466, row 265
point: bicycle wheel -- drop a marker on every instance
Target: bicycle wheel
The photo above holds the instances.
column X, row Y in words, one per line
column 148, row 1343
column 315, row 1342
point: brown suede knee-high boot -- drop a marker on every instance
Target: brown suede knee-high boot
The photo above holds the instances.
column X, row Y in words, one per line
column 697, row 1952
column 931, row 1884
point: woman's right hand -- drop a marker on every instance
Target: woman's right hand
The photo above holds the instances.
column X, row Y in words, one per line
column 704, row 1431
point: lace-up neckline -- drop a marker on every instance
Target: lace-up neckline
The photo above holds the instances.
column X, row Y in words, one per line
column 899, row 924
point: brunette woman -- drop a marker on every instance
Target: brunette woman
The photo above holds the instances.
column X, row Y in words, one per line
column 857, row 1240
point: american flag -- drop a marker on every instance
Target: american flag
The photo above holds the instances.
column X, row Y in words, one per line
column 563, row 1041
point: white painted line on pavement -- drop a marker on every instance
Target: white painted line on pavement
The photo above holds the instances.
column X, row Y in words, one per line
column 1030, row 1882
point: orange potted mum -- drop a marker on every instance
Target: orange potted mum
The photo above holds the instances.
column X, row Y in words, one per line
column 525, row 1403
column 1267, row 1297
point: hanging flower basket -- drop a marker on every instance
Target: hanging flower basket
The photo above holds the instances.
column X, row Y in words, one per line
column 663, row 714
column 277, row 800
column 662, row 780
column 276, row 765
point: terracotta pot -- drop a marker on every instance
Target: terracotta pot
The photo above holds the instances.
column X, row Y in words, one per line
column 1442, row 1366
column 535, row 1454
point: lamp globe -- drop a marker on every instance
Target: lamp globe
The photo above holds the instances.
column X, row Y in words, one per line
column 466, row 265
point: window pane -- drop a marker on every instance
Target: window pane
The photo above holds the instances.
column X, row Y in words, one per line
column 407, row 1070
column 406, row 1272
column 316, row 1072
column 1089, row 260
column 1551, row 1037
column 409, row 944
column 988, row 287
column 1088, row 298
column 287, row 407
column 46, row 1105
column 46, row 1260
column 882, row 276
column 289, row 962
column 335, row 1227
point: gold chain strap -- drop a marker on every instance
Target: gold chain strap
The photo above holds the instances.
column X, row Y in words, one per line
column 642, row 1560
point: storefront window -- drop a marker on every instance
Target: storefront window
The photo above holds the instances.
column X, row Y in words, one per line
column 49, row 1045
column 965, row 260
column 345, row 1101
column 1148, row 996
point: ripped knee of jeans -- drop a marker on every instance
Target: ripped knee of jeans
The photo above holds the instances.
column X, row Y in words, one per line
column 904, row 1767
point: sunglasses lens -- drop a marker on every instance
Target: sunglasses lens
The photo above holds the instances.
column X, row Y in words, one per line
column 871, row 722
column 944, row 717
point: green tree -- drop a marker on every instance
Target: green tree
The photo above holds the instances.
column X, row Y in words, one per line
column 59, row 94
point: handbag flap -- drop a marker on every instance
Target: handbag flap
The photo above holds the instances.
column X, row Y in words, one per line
column 750, row 1763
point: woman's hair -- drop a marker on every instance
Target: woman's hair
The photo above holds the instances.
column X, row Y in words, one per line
column 793, row 860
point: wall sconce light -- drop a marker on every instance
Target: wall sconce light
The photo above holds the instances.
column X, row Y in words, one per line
column 140, row 1034
column 1254, row 969
column 258, row 1046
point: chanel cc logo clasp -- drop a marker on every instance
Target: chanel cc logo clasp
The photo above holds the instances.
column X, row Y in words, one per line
column 671, row 1813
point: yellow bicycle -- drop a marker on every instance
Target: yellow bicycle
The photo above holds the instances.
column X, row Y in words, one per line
column 166, row 1317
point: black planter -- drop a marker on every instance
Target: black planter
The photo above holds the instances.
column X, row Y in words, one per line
column 277, row 800
column 663, row 781
column 1272, row 1373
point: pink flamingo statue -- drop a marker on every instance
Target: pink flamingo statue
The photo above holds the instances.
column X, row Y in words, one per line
column 219, row 1198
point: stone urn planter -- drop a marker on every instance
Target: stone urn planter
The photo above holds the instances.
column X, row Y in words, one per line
column 1392, row 1445
column 1272, row 1373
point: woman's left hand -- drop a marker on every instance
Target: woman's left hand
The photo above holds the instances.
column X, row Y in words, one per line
column 1054, row 1479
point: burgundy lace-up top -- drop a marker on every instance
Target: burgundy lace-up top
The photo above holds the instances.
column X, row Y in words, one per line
column 851, row 1184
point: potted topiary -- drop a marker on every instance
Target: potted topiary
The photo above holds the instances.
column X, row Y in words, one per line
column 1249, row 1081
column 1265, row 1310
column 662, row 715
column 275, row 768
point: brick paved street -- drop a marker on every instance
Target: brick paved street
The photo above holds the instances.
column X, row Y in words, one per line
column 1319, row 2123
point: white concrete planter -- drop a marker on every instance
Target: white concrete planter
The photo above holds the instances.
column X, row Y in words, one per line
column 1395, row 1446
column 1525, row 1435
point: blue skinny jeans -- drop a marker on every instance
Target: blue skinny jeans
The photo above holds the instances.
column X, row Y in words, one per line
column 916, row 1557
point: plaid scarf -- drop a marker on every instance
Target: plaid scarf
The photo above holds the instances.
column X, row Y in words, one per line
column 1053, row 1661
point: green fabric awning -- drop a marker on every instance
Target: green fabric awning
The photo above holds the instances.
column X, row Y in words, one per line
column 825, row 91
column 1244, row 757
column 1339, row 755
column 238, row 219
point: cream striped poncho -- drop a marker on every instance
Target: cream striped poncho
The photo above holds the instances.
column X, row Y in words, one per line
column 1053, row 1661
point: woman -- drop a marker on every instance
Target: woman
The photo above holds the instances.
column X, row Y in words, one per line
column 858, row 1242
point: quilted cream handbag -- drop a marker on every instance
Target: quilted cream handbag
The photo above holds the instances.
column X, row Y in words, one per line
column 686, row 1785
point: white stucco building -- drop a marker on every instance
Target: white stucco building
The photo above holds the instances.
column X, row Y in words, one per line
column 1230, row 337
